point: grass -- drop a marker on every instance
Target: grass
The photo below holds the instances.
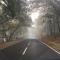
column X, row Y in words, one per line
column 53, row 42
column 55, row 45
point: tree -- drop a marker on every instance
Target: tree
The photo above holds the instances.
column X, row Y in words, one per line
column 14, row 16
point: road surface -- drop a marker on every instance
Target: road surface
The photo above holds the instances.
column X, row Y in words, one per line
column 30, row 49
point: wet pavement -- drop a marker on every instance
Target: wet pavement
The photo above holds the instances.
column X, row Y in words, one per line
column 30, row 49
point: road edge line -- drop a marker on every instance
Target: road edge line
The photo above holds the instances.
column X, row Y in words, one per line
column 50, row 47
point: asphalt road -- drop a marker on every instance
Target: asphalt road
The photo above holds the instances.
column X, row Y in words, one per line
column 29, row 49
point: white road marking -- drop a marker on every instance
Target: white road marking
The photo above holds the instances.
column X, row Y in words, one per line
column 51, row 48
column 24, row 50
